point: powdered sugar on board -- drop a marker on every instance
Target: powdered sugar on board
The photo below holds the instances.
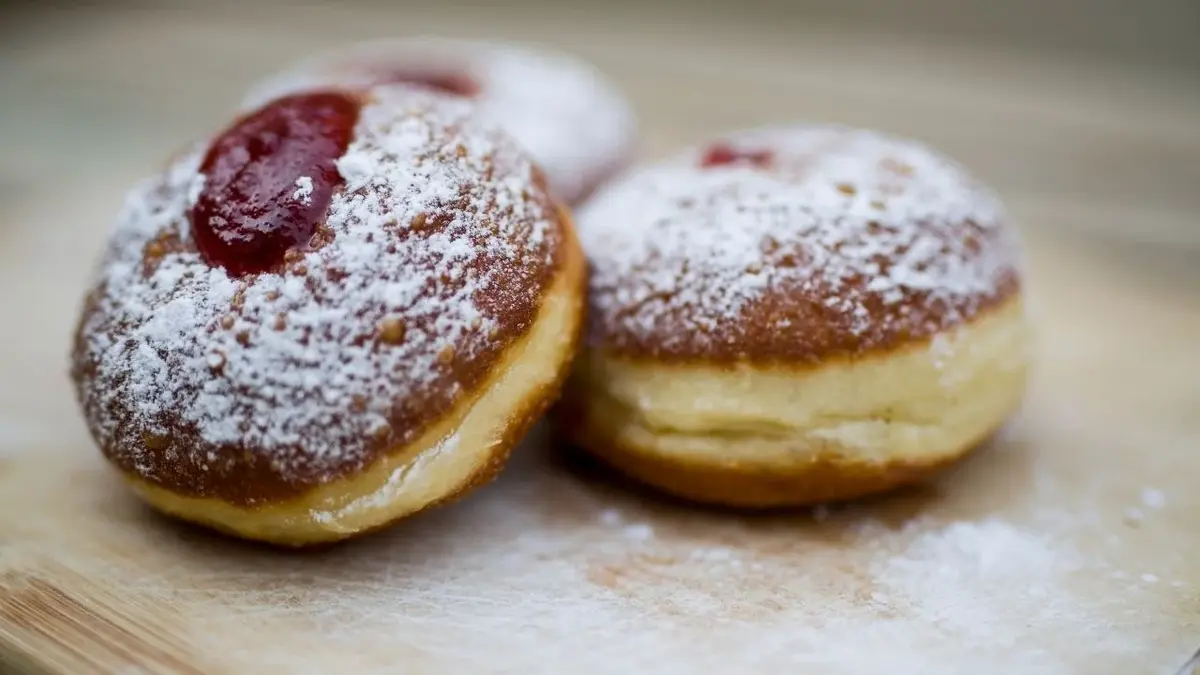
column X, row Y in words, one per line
column 870, row 235
column 298, row 364
column 563, row 111
column 541, row 569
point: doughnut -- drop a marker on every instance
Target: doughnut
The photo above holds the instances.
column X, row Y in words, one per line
column 345, row 308
column 566, row 115
column 795, row 315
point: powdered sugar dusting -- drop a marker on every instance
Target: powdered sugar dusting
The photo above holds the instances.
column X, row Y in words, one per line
column 639, row 532
column 991, row 576
column 849, row 228
column 855, row 594
column 295, row 364
column 942, row 566
column 562, row 111
column 1153, row 498
column 304, row 189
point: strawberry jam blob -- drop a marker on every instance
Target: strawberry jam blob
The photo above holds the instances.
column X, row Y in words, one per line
column 725, row 155
column 268, row 180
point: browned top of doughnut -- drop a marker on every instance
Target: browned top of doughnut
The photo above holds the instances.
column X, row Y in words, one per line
column 433, row 259
column 792, row 245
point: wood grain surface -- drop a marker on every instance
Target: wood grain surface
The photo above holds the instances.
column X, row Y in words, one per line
column 1066, row 545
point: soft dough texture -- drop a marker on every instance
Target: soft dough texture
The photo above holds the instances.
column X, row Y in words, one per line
column 820, row 314
column 569, row 118
column 389, row 365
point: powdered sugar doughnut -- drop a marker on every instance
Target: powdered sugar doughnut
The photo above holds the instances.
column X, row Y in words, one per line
column 794, row 315
column 572, row 121
column 342, row 310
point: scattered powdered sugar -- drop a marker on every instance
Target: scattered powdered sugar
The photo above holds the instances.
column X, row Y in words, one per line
column 540, row 571
column 966, row 551
column 1153, row 498
column 714, row 554
column 980, row 587
column 610, row 517
column 638, row 532
column 561, row 110
column 304, row 189
column 871, row 232
column 643, row 532
column 1134, row 516
column 434, row 236
column 859, row 595
column 1150, row 498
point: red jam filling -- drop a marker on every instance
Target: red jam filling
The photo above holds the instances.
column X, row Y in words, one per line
column 725, row 155
column 455, row 84
column 269, row 179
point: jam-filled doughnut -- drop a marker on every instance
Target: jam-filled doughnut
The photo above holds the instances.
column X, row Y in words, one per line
column 566, row 115
column 345, row 308
column 795, row 315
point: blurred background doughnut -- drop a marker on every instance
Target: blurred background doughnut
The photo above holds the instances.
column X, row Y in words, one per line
column 562, row 110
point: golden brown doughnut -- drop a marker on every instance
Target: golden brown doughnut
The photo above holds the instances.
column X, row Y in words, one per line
column 795, row 315
column 346, row 308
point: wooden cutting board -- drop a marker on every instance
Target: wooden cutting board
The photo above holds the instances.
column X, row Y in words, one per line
column 1066, row 545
